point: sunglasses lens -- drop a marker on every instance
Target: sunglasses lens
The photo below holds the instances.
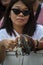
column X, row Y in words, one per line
column 27, row 12
column 16, row 11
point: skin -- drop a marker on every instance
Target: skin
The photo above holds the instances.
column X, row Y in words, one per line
column 5, row 2
column 19, row 20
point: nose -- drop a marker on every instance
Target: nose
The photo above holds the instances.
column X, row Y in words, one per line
column 21, row 14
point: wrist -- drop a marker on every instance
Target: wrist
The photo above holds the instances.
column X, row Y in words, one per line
column 36, row 46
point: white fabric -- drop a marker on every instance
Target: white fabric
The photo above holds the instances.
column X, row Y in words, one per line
column 38, row 34
column 41, row 5
column 32, row 59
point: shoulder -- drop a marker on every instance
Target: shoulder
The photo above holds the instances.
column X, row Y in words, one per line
column 2, row 30
column 38, row 34
column 39, row 29
column 3, row 33
column 38, row 26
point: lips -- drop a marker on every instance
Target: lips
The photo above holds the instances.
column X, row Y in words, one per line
column 20, row 19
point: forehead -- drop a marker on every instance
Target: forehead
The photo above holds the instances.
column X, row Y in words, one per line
column 20, row 4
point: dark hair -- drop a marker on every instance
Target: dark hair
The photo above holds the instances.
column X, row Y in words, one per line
column 32, row 1
column 2, row 10
column 29, row 28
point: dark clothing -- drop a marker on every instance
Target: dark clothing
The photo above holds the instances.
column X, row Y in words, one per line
column 2, row 10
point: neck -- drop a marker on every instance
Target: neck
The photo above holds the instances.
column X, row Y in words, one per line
column 18, row 29
column 35, row 5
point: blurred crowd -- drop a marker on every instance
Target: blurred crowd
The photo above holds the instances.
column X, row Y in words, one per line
column 3, row 6
column 41, row 0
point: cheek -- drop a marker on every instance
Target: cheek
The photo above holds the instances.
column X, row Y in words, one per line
column 27, row 18
column 13, row 17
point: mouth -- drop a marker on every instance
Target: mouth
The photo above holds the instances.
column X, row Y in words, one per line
column 20, row 19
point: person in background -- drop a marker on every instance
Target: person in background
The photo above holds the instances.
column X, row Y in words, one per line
column 38, row 11
column 41, row 0
column 3, row 5
column 19, row 19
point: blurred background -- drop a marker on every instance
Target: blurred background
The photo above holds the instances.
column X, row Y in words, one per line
column 41, row 0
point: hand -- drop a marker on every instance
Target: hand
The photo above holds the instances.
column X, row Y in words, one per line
column 2, row 52
column 8, row 44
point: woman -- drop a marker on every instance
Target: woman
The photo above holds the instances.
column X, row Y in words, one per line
column 19, row 19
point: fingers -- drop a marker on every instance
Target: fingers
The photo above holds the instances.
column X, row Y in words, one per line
column 11, row 44
column 8, row 44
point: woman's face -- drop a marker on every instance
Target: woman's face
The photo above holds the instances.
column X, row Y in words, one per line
column 5, row 2
column 19, row 14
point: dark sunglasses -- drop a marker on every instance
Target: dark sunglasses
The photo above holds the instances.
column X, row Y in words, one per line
column 18, row 11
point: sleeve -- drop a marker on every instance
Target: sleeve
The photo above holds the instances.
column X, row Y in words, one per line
column 38, row 34
column 2, row 35
column 40, row 31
